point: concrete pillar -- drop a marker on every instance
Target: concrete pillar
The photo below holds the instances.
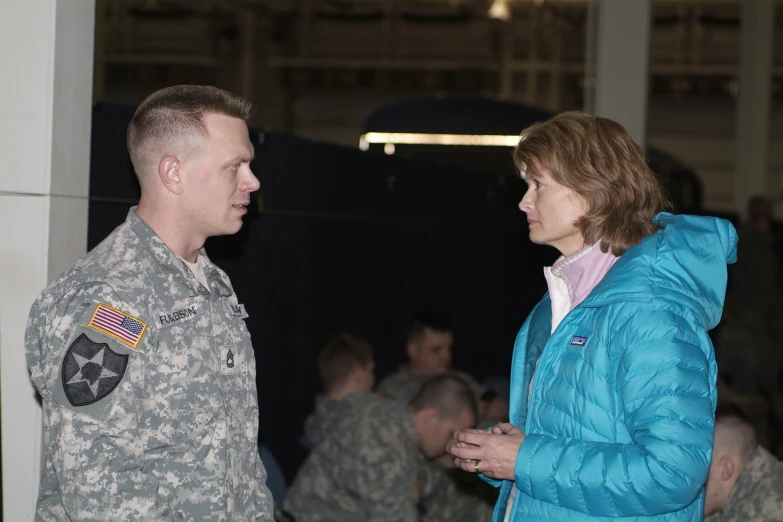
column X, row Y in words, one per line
column 591, row 42
column 622, row 64
column 99, row 56
column 46, row 48
column 755, row 97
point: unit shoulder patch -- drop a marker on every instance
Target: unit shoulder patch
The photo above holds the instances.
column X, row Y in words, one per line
column 91, row 371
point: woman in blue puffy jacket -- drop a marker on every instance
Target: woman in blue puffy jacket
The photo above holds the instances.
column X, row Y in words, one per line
column 613, row 373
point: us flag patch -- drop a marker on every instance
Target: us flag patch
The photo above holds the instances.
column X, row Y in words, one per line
column 118, row 324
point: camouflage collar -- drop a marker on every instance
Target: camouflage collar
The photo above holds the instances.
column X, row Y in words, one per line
column 169, row 262
column 759, row 466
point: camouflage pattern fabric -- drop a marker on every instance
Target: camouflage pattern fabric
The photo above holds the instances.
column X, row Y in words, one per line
column 364, row 469
column 449, row 495
column 150, row 409
column 317, row 423
column 758, row 494
column 403, row 385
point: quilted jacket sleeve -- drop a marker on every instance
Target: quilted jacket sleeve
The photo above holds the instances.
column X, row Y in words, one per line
column 666, row 378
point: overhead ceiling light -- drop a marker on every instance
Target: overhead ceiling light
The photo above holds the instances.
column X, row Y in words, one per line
column 410, row 138
column 499, row 10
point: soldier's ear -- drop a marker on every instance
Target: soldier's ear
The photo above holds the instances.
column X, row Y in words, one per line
column 431, row 414
column 168, row 172
column 727, row 466
column 412, row 350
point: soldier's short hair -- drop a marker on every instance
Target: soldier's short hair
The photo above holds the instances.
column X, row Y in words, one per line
column 449, row 395
column 425, row 320
column 341, row 355
column 178, row 111
column 734, row 430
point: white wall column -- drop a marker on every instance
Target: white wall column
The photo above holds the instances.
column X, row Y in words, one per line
column 751, row 169
column 46, row 51
column 622, row 64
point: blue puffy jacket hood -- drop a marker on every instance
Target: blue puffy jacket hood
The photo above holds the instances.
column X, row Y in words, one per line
column 680, row 262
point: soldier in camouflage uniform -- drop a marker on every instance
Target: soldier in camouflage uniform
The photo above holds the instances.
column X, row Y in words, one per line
column 366, row 467
column 345, row 367
column 140, row 351
column 447, row 493
column 745, row 482
column 429, row 344
column 450, row 495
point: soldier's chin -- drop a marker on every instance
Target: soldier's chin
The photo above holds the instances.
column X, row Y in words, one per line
column 229, row 230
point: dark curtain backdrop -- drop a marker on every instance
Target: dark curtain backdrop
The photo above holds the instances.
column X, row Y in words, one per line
column 344, row 240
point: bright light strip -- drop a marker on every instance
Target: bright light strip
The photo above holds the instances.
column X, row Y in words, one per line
column 409, row 138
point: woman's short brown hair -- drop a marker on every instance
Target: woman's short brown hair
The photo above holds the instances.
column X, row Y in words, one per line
column 597, row 159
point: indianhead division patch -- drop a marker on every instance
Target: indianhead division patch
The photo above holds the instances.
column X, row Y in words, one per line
column 91, row 371
column 118, row 324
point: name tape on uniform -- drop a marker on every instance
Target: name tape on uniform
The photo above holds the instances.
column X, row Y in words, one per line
column 179, row 316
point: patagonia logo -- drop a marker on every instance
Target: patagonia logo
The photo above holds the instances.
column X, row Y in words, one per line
column 578, row 340
column 182, row 315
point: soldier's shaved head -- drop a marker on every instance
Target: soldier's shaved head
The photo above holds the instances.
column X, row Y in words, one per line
column 448, row 395
column 171, row 122
column 734, row 443
column 444, row 404
column 734, row 434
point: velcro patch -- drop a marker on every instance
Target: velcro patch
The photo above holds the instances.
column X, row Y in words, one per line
column 91, row 371
column 238, row 310
column 118, row 324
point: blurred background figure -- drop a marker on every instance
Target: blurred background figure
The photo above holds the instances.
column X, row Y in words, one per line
column 745, row 482
column 748, row 341
column 429, row 344
column 493, row 403
column 367, row 465
column 345, row 366
column 449, row 493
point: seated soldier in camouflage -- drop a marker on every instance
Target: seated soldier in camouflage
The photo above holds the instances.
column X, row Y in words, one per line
column 745, row 482
column 366, row 467
column 345, row 366
column 429, row 343
column 447, row 493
